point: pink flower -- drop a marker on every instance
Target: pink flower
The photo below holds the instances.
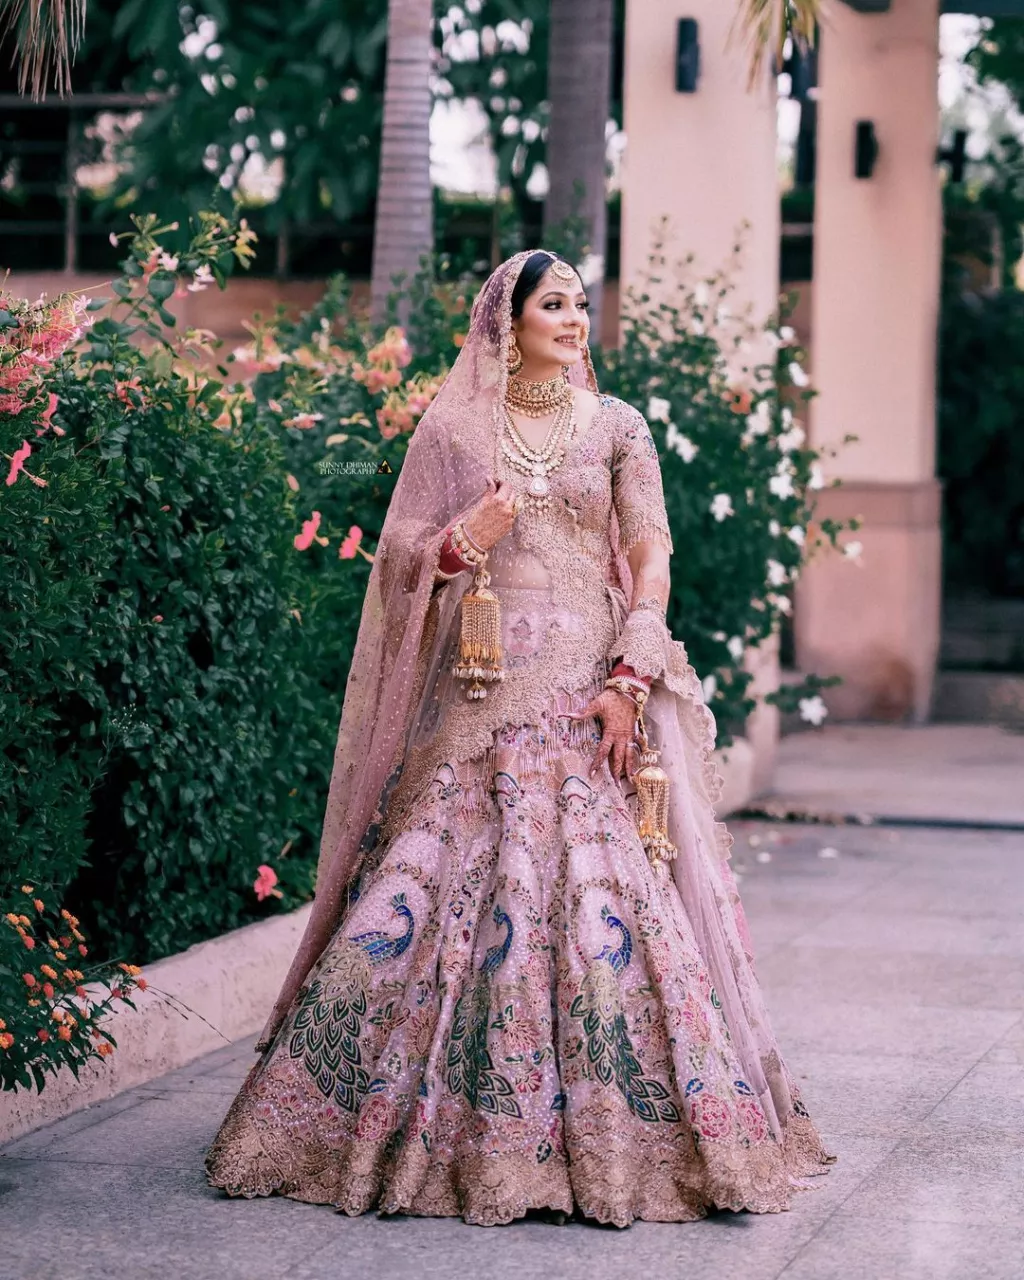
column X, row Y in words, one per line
column 712, row 1117
column 11, row 403
column 378, row 1116
column 292, row 483
column 47, row 417
column 304, row 540
column 266, row 879
column 347, row 550
column 158, row 617
column 18, row 460
column 304, row 421
column 753, row 1119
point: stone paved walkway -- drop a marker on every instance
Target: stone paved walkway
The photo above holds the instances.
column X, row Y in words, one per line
column 896, row 974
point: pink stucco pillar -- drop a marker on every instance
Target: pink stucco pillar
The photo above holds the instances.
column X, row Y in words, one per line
column 877, row 250
column 706, row 162
column 703, row 160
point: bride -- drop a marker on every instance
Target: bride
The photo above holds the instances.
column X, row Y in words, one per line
column 521, row 986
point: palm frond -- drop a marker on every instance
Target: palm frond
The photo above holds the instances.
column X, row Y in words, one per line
column 765, row 25
column 46, row 36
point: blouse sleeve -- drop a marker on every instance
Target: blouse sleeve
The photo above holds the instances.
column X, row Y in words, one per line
column 637, row 490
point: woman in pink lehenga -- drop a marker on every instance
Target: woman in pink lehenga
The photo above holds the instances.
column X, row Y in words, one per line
column 501, row 1003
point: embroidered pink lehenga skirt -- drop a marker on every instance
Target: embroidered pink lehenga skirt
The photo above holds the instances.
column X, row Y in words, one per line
column 513, row 1014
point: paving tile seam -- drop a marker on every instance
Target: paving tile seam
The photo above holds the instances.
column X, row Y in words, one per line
column 126, row 1098
column 837, row 1208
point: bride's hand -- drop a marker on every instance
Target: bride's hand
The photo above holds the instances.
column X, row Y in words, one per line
column 617, row 714
column 493, row 516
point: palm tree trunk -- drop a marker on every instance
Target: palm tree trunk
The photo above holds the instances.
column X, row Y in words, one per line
column 404, row 225
column 579, row 87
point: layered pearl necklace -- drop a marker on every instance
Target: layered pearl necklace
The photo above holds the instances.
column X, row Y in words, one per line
column 536, row 400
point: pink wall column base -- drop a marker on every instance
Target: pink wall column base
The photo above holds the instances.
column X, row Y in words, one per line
column 876, row 623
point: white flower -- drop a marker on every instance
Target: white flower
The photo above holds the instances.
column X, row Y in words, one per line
column 710, row 687
column 721, row 506
column 658, row 409
column 828, row 852
column 786, row 335
column 853, row 550
column 774, row 528
column 792, row 439
column 817, row 480
column 781, row 484
column 680, row 444
column 782, row 604
column 591, row 269
column 776, row 573
column 760, row 421
column 797, row 535
column 762, row 855
column 799, row 377
column 813, row 710
column 202, row 278
column 719, row 636
column 168, row 262
column 735, row 646
column 113, row 238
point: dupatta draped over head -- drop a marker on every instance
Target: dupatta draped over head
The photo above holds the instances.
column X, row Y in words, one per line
column 404, row 634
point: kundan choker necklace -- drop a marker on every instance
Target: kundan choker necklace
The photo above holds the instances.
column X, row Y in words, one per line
column 538, row 464
column 537, row 399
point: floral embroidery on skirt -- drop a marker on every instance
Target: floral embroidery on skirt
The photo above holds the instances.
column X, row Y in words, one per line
column 513, row 1015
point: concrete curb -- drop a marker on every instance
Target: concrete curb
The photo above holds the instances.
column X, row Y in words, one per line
column 231, row 981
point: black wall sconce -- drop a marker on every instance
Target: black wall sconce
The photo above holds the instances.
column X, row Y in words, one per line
column 865, row 149
column 955, row 156
column 687, row 55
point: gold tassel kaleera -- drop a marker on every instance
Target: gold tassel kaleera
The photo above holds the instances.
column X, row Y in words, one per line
column 652, row 791
column 480, row 656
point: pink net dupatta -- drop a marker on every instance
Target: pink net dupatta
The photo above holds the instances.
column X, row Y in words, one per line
column 405, row 619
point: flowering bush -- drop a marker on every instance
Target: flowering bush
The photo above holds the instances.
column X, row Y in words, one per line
column 163, row 736
column 724, row 402
column 49, row 1016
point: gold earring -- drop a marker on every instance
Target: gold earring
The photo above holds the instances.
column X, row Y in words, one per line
column 515, row 356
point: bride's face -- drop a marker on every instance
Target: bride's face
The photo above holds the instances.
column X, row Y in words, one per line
column 554, row 325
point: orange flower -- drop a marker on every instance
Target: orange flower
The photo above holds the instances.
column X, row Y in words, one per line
column 30, row 979
column 64, row 1033
column 60, row 955
column 105, row 1050
column 83, row 951
column 11, row 918
column 57, row 1015
column 3, row 1025
column 142, row 984
column 43, row 1034
column 6, row 1040
column 459, row 339
column 740, row 400
column 50, row 972
column 27, row 888
column 81, row 993
column 24, row 919
column 39, row 904
column 48, row 990
column 29, row 942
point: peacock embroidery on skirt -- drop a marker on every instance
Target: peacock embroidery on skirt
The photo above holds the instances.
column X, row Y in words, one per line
column 469, row 1066
column 609, row 1049
column 330, row 1019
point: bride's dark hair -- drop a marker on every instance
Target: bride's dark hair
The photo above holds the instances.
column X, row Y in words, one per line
column 531, row 275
